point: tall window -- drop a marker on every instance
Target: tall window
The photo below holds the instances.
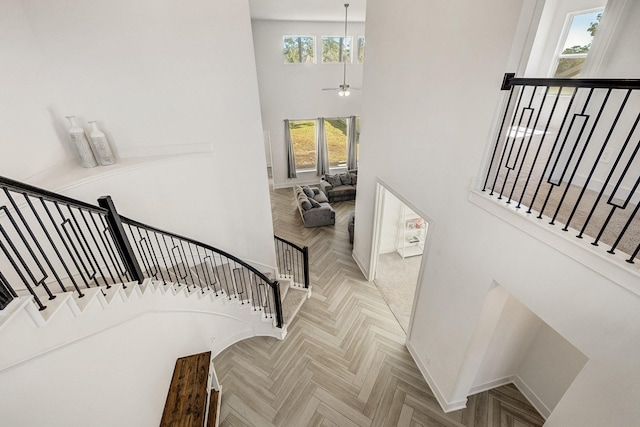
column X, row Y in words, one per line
column 336, row 134
column 360, row 50
column 336, row 49
column 299, row 49
column 358, row 139
column 579, row 31
column 303, row 139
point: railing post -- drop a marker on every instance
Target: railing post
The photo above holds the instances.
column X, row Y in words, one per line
column 305, row 258
column 277, row 304
column 120, row 238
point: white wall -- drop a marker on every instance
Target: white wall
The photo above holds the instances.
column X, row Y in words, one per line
column 35, row 134
column 160, row 77
column 447, row 112
column 550, row 366
column 117, row 377
column 390, row 220
column 294, row 91
column 512, row 336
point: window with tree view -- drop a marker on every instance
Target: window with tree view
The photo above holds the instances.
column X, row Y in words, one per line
column 336, row 49
column 299, row 49
column 360, row 50
column 336, row 134
column 579, row 33
column 303, row 139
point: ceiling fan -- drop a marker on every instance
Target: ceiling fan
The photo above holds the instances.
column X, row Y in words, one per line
column 344, row 89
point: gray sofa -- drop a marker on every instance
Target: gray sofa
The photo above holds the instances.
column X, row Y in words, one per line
column 314, row 207
column 340, row 187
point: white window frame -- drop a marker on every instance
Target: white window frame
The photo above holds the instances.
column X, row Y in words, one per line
column 563, row 38
column 358, row 47
column 336, row 37
column 315, row 49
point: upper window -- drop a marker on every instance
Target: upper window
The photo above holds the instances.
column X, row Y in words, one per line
column 336, row 49
column 360, row 50
column 578, row 34
column 299, row 49
column 303, row 139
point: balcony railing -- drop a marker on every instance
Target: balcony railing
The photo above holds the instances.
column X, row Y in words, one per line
column 566, row 150
column 50, row 243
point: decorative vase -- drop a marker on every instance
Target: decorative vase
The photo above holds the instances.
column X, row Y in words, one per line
column 101, row 145
column 80, row 141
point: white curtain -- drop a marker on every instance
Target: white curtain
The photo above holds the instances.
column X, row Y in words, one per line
column 291, row 158
column 322, row 158
column 352, row 156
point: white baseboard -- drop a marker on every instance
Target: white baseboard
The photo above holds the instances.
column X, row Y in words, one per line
column 520, row 385
column 442, row 401
column 490, row 385
column 531, row 396
column 364, row 270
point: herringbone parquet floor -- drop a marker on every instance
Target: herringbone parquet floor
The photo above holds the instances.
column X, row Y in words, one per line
column 343, row 362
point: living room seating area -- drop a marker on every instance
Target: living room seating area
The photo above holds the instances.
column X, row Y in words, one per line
column 313, row 206
column 340, row 187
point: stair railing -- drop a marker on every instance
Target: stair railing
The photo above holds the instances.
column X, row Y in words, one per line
column 48, row 240
column 293, row 262
column 567, row 150
column 171, row 258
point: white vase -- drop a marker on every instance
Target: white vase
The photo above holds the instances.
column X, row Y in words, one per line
column 101, row 146
column 80, row 141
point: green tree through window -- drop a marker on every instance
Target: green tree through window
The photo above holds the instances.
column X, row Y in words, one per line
column 582, row 29
column 336, row 49
column 299, row 49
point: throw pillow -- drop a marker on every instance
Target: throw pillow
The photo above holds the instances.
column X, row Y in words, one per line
column 306, row 204
column 345, row 178
column 321, row 198
column 314, row 203
column 354, row 179
column 307, row 191
column 333, row 180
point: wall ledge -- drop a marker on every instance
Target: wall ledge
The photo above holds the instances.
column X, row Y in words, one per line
column 611, row 266
column 69, row 174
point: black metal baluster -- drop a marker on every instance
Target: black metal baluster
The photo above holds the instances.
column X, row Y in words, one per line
column 609, row 176
column 24, row 279
column 97, row 245
column 598, row 157
column 113, row 250
column 34, row 239
column 553, row 149
column 87, row 247
column 90, row 274
column 55, row 226
column 506, row 145
column 29, row 249
column 584, row 149
column 495, row 147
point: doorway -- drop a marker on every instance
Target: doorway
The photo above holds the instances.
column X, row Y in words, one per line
column 398, row 253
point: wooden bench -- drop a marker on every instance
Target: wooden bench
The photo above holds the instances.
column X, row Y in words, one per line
column 189, row 402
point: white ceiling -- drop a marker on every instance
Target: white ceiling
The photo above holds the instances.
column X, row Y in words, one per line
column 307, row 10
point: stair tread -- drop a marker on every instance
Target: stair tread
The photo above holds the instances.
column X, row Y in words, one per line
column 292, row 303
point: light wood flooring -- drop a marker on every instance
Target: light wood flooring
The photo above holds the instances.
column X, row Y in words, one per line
column 343, row 362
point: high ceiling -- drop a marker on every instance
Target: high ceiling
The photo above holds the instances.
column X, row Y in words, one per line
column 307, row 10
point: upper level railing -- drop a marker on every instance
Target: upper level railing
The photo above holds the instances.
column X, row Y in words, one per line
column 50, row 243
column 567, row 150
